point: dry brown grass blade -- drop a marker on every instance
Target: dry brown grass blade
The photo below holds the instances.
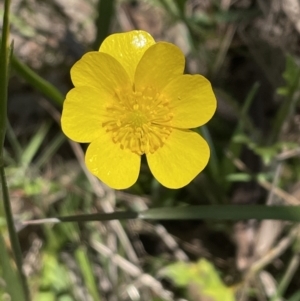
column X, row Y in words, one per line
column 133, row 270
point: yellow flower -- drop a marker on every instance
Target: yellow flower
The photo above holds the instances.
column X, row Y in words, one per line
column 131, row 98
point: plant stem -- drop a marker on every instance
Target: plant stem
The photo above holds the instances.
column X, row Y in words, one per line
column 4, row 63
column 12, row 232
column 36, row 81
column 105, row 14
column 4, row 76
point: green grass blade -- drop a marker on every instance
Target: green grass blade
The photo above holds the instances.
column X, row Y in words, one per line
column 103, row 21
column 12, row 281
column 51, row 149
column 37, row 82
column 12, row 232
column 234, row 148
column 287, row 277
column 206, row 212
column 12, row 138
column 291, row 92
column 34, row 144
column 213, row 163
column 224, row 212
column 119, row 215
column 87, row 272
column 5, row 54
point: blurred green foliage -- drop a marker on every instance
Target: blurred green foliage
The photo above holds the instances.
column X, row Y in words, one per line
column 200, row 280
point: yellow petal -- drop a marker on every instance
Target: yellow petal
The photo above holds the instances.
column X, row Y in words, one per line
column 160, row 64
column 127, row 48
column 192, row 100
column 101, row 71
column 179, row 161
column 82, row 112
column 117, row 168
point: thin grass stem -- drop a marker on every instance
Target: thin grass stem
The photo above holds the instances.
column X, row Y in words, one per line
column 5, row 54
column 16, row 249
column 287, row 277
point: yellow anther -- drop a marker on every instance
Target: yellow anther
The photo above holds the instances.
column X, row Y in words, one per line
column 139, row 121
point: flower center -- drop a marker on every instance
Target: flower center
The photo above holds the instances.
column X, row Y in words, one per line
column 139, row 121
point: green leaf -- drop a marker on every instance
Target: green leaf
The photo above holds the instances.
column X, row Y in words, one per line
column 54, row 275
column 87, row 272
column 291, row 73
column 201, row 280
column 239, row 177
column 45, row 296
column 290, row 90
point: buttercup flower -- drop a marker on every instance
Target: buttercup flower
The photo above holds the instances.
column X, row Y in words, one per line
column 130, row 99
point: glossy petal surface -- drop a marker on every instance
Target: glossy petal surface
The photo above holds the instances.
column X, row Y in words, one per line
column 160, row 64
column 128, row 48
column 100, row 71
column 177, row 163
column 192, row 99
column 117, row 168
column 131, row 98
column 82, row 111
